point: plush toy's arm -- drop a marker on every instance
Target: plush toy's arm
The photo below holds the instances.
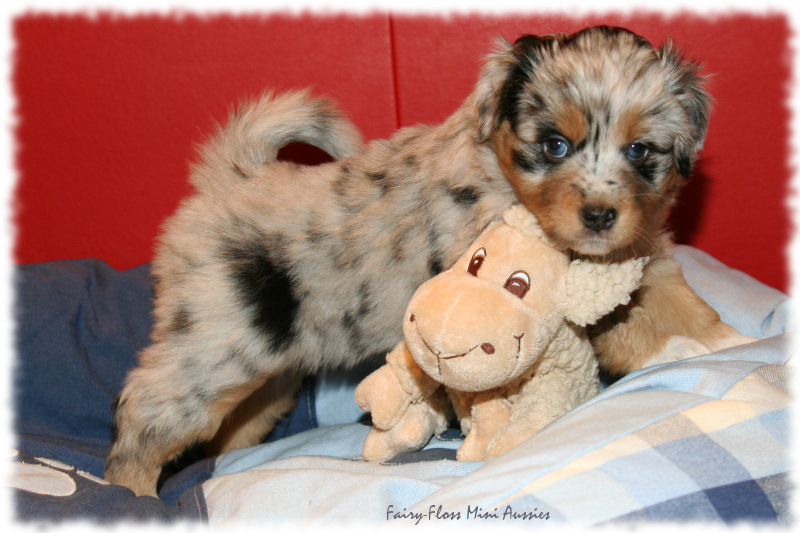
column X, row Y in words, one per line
column 407, row 406
column 411, row 432
column 387, row 392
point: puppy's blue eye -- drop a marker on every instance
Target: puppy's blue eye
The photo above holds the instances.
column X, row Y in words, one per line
column 637, row 152
column 557, row 148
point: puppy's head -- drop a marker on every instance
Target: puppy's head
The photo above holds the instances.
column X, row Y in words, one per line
column 596, row 131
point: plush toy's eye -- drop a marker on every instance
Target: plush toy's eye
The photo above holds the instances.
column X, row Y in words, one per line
column 476, row 261
column 518, row 284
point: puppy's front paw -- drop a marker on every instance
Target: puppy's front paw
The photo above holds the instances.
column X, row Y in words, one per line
column 735, row 339
column 679, row 348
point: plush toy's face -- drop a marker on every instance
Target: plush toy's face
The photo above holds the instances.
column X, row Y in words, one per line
column 489, row 318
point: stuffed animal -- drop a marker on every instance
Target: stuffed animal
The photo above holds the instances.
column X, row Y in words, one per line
column 499, row 339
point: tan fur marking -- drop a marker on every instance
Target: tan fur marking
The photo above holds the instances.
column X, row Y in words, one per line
column 630, row 125
column 571, row 122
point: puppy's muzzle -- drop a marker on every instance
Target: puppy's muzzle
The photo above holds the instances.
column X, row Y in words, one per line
column 598, row 218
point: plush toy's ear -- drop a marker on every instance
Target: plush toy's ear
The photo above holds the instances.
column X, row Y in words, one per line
column 595, row 289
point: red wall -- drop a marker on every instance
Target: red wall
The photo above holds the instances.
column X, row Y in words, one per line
column 110, row 110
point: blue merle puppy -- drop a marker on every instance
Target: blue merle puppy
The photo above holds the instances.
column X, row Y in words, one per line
column 272, row 271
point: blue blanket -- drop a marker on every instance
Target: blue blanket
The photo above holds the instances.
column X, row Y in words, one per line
column 702, row 439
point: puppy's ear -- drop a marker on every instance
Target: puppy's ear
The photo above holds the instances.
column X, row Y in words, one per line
column 687, row 84
column 503, row 80
column 496, row 71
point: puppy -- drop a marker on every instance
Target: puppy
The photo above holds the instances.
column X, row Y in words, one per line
column 272, row 271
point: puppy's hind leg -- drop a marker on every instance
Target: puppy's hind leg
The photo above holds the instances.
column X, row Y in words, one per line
column 165, row 407
column 255, row 417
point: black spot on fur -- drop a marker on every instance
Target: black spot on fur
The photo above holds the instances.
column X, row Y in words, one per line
column 147, row 436
column 648, row 169
column 317, row 236
column 264, row 281
column 399, row 243
column 181, row 320
column 527, row 56
column 435, row 264
column 533, row 160
column 340, row 186
column 684, row 164
column 523, row 162
column 383, row 179
column 351, row 323
column 510, row 95
column 435, row 259
column 238, row 357
column 596, row 136
column 114, row 423
column 346, row 190
column 465, row 196
column 203, row 395
column 411, row 163
column 239, row 172
column 365, row 300
column 387, row 185
column 346, row 258
column 648, row 172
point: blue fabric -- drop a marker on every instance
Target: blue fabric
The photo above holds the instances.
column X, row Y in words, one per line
column 80, row 325
column 91, row 498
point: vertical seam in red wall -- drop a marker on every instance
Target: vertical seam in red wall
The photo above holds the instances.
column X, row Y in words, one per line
column 393, row 58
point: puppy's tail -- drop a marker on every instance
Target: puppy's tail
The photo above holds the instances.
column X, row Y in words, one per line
column 256, row 133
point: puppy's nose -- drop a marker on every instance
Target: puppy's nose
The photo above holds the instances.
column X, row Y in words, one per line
column 598, row 218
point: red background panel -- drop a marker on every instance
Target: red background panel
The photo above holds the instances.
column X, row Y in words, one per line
column 735, row 205
column 111, row 108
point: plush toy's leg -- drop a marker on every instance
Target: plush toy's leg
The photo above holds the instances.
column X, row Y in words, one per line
column 488, row 416
column 515, row 433
column 663, row 307
column 411, row 433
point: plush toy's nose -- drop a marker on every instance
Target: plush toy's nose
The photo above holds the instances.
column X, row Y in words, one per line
column 487, row 348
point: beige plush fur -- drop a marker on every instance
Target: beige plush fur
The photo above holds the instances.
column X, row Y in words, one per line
column 502, row 333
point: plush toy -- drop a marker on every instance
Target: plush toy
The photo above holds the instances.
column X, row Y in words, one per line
column 499, row 340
